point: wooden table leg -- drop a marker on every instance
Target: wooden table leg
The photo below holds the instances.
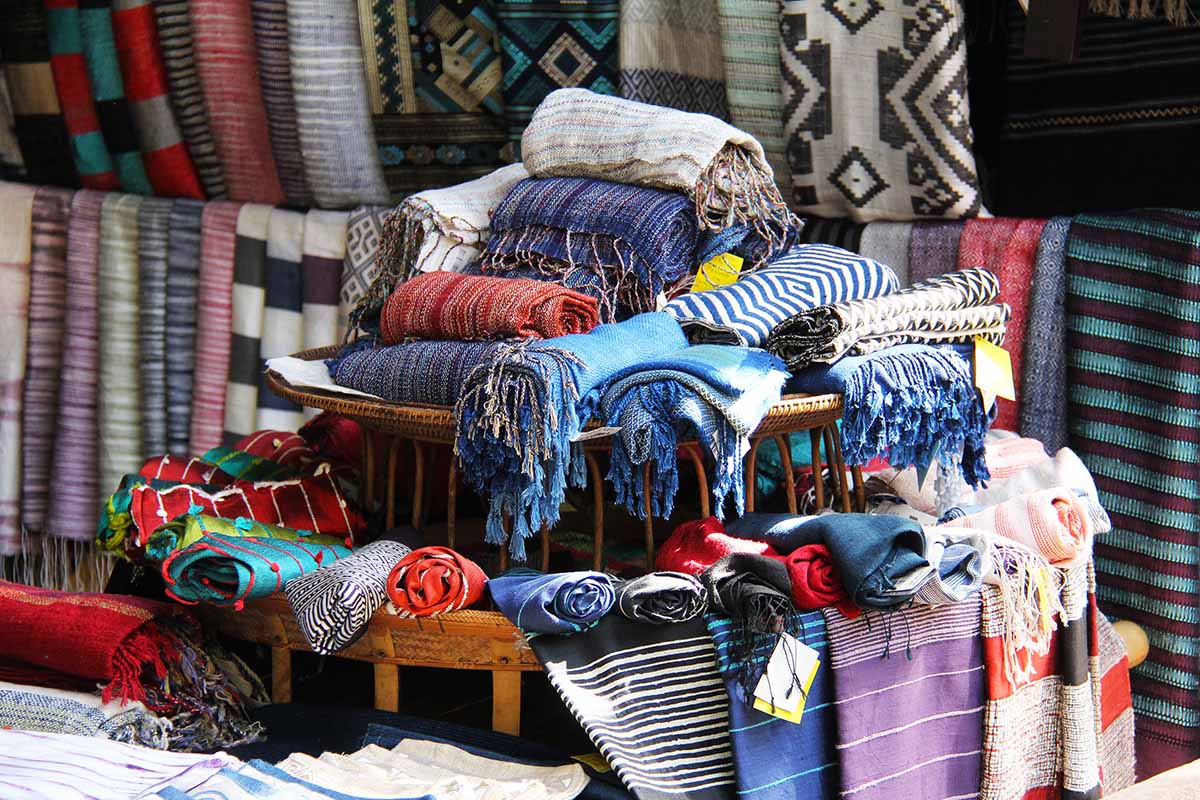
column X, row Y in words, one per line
column 784, row 443
column 814, row 436
column 833, row 438
column 281, row 675
column 394, row 445
column 451, row 501
column 387, row 687
column 649, row 522
column 860, row 489
column 368, row 476
column 506, row 521
column 697, row 459
column 506, row 702
column 418, row 484
column 545, row 548
column 597, row 511
column 751, row 476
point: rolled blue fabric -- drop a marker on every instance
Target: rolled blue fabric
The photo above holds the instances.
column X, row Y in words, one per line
column 564, row 602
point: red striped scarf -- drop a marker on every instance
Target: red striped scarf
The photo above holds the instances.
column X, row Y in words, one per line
column 214, row 335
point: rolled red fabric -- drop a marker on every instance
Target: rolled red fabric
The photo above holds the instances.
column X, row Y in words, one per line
column 434, row 580
column 815, row 581
column 447, row 305
column 695, row 546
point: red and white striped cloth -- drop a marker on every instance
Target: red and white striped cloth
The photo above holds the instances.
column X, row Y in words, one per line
column 1052, row 522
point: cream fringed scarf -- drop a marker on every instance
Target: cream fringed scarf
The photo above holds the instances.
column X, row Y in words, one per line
column 577, row 133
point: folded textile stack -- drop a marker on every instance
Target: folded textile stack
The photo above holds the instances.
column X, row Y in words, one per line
column 49, row 710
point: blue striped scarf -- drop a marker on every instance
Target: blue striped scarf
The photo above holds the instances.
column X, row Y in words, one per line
column 426, row 372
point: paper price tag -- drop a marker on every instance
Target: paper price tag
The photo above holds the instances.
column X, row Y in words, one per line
column 782, row 689
column 596, row 433
column 722, row 270
column 993, row 372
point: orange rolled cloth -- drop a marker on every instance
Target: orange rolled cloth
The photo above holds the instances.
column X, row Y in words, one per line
column 434, row 580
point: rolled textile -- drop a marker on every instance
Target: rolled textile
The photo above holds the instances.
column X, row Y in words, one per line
column 564, row 602
column 961, row 560
column 1044, row 365
column 188, row 529
column 910, row 403
column 168, row 164
column 223, row 38
column 667, row 55
column 724, row 171
column 154, row 224
column 719, row 393
column 1053, row 522
column 183, row 288
column 119, row 393
column 693, row 547
column 806, row 276
column 364, row 233
column 275, row 74
column 933, row 249
column 16, row 253
column 450, row 306
column 955, row 307
column 425, row 373
column 248, row 307
column 753, row 591
column 888, row 243
column 186, row 94
column 661, row 598
column 815, row 582
column 220, row 466
column 517, row 417
column 333, row 117
column 214, row 334
column 282, row 447
column 76, row 447
column 33, row 708
column 44, row 354
column 228, row 571
column 639, row 240
column 334, row 604
column 324, row 250
column 282, row 317
column 434, row 580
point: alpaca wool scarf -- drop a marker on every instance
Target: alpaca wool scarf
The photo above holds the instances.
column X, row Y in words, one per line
column 933, row 249
column 44, row 356
column 448, row 306
column 806, row 276
column 119, row 387
column 948, row 308
column 661, row 598
column 282, row 318
column 154, row 223
column 223, row 38
column 667, row 55
column 724, row 171
column 516, row 419
column 186, row 95
column 718, row 392
column 1044, row 365
column 337, row 140
column 1053, row 522
column 218, row 231
column 248, row 309
column 434, row 580
column 275, row 72
column 910, row 403
column 640, row 241
column 333, row 605
column 77, row 422
column 693, row 547
column 563, row 602
column 16, row 253
column 424, row 373
column 324, row 250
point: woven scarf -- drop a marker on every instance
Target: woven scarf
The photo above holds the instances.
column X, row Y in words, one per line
column 119, row 385
column 693, row 547
column 44, row 357
column 275, row 72
column 223, row 38
column 1118, row 358
column 16, row 251
column 77, row 420
column 863, row 140
column 324, row 250
column 723, row 170
column 933, row 249
column 168, row 164
column 888, row 243
column 753, row 591
column 364, row 235
column 671, row 55
column 563, row 602
column 777, row 759
column 448, row 306
column 218, row 228
column 341, row 161
column 661, row 598
column 424, row 373
column 960, row 557
column 282, row 316
column 248, row 308
column 183, row 287
column 815, row 581
column 911, row 403
column 1044, row 364
column 517, row 417
column 334, row 604
column 1109, row 666
column 950, row 308
column 806, row 276
column 186, row 95
column 717, row 393
column 640, row 241
column 88, row 149
column 750, row 46
column 184, row 531
column 154, row 224
column 1053, row 522
column 434, row 580
column 31, row 708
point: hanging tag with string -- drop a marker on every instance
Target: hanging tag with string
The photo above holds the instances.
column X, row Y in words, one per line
column 783, row 689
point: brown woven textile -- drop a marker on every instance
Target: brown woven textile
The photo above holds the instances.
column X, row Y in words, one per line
column 447, row 305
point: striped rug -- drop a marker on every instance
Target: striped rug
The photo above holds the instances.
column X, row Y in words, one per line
column 154, row 223
column 1133, row 306
column 187, row 98
column 283, row 319
column 223, row 38
column 218, row 229
column 183, row 285
column 249, row 301
column 275, row 71
column 43, row 364
column 77, row 494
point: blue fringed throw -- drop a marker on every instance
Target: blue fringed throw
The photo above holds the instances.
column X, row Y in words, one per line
column 717, row 393
column 517, row 417
column 430, row 373
column 910, row 404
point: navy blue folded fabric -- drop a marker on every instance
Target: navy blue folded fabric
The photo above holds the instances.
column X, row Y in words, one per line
column 784, row 532
column 563, row 602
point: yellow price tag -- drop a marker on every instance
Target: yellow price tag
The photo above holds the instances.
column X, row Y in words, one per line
column 993, row 372
column 595, row 761
column 722, row 270
column 776, row 693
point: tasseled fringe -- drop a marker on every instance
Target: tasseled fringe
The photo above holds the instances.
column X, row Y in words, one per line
column 1030, row 592
column 65, row 565
column 1177, row 12
column 142, row 649
column 736, row 188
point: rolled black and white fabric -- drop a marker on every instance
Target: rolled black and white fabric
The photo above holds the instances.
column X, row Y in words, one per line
column 334, row 604
column 662, row 597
